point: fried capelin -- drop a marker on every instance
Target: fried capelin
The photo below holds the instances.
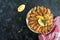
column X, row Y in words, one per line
column 48, row 16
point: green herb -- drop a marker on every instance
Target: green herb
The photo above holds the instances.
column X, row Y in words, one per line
column 44, row 22
column 20, row 18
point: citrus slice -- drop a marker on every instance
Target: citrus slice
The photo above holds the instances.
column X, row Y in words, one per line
column 40, row 22
column 21, row 8
column 41, row 17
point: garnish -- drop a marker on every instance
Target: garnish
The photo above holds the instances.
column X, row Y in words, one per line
column 40, row 22
column 44, row 22
column 20, row 18
column 21, row 8
column 41, row 17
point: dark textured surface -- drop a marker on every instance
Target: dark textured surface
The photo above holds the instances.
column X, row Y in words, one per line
column 13, row 29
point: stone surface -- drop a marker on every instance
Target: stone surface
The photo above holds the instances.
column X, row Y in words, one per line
column 9, row 23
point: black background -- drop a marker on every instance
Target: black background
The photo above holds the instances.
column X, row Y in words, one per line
column 11, row 28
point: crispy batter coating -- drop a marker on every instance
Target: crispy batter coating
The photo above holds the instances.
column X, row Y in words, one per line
column 42, row 11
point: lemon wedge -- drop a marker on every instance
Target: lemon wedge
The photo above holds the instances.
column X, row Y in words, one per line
column 40, row 22
column 41, row 17
column 21, row 8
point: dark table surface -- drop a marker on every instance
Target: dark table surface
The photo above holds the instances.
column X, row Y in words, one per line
column 13, row 24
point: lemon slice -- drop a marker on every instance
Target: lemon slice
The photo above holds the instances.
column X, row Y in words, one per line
column 41, row 17
column 21, row 8
column 40, row 22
